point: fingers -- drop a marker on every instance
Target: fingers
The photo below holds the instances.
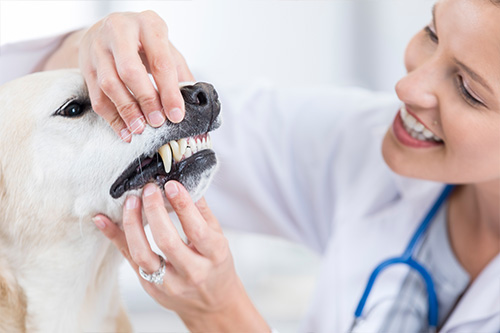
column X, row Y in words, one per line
column 112, row 55
column 116, row 236
column 139, row 247
column 117, row 92
column 103, row 106
column 205, row 239
column 163, row 67
column 207, row 214
column 133, row 73
column 164, row 232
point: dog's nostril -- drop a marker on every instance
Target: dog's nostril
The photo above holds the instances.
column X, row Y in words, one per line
column 201, row 98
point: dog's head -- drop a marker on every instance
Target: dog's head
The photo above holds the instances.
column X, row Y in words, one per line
column 60, row 160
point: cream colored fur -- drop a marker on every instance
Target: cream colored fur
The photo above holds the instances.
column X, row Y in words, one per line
column 58, row 273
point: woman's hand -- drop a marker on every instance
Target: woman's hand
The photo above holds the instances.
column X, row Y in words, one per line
column 115, row 56
column 200, row 282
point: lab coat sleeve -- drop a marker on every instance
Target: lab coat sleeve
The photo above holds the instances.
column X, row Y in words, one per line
column 277, row 151
column 19, row 59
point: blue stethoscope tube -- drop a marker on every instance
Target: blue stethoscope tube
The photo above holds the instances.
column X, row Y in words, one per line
column 407, row 259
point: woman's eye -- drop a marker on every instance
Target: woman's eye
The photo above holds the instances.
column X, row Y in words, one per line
column 431, row 34
column 465, row 93
column 73, row 109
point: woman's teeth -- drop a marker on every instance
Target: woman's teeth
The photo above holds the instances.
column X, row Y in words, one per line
column 416, row 129
column 177, row 150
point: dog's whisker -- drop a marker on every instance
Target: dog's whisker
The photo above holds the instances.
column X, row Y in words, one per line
column 140, row 168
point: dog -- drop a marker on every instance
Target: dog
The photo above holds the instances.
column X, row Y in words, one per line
column 60, row 165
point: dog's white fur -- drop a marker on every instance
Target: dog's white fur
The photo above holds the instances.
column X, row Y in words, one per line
column 58, row 273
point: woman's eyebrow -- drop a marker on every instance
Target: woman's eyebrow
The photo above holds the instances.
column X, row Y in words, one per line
column 476, row 77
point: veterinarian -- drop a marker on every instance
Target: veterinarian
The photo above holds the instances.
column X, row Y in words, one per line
column 364, row 179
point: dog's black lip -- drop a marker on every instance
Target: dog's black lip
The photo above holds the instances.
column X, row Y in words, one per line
column 157, row 173
column 154, row 171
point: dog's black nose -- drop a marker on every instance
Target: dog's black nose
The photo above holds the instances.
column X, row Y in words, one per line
column 201, row 98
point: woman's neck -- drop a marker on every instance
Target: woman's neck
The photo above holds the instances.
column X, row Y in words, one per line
column 474, row 225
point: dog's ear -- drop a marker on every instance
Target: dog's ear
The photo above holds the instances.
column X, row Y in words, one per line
column 12, row 302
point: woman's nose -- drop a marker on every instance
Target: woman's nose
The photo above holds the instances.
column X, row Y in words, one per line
column 418, row 88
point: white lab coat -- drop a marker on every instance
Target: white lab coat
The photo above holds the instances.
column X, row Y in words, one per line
column 306, row 164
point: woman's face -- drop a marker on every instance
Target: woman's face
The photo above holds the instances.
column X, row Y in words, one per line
column 450, row 130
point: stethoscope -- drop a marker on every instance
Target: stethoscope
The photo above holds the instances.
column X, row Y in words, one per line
column 407, row 259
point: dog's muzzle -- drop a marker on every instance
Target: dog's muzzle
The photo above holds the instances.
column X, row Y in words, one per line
column 185, row 152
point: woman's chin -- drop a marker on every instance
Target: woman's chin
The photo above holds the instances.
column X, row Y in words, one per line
column 398, row 162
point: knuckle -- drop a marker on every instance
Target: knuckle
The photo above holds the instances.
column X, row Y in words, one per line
column 128, row 110
column 129, row 70
column 148, row 102
column 107, row 83
column 180, row 203
column 113, row 20
column 165, row 243
column 98, row 105
column 221, row 251
column 151, row 18
column 116, row 123
column 140, row 258
column 197, row 234
column 197, row 277
column 160, row 64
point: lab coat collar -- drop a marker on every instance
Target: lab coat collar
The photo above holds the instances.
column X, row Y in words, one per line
column 417, row 189
column 481, row 300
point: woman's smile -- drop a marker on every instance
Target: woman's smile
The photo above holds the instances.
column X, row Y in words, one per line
column 411, row 132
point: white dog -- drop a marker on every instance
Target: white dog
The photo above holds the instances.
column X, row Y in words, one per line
column 60, row 164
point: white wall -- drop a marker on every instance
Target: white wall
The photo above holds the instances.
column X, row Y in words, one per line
column 292, row 42
column 347, row 42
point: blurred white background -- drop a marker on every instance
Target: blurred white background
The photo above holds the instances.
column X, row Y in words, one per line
column 341, row 42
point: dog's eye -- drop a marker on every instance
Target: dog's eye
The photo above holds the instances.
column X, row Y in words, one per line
column 72, row 109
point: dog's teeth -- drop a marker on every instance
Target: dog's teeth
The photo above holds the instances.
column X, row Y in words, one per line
column 182, row 146
column 209, row 142
column 193, row 146
column 175, row 150
column 188, row 152
column 166, row 156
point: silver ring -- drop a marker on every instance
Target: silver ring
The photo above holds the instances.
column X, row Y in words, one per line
column 156, row 277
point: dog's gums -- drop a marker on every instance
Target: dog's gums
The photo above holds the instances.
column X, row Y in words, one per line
column 190, row 156
column 183, row 148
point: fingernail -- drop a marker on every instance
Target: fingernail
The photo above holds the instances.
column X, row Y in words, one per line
column 137, row 125
column 149, row 189
column 171, row 190
column 125, row 134
column 156, row 118
column 131, row 203
column 175, row 115
column 99, row 223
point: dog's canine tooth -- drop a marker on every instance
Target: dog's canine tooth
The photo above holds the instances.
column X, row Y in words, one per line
column 209, row 142
column 166, row 155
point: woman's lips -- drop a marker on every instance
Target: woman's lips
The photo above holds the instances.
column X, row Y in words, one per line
column 406, row 139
